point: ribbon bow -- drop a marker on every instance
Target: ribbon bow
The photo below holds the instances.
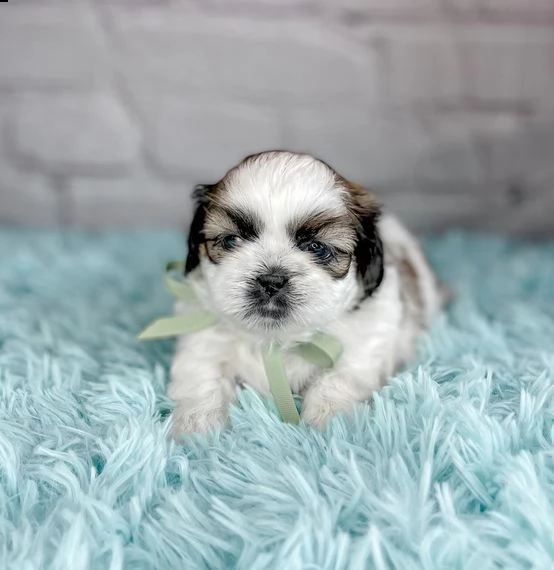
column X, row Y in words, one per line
column 322, row 350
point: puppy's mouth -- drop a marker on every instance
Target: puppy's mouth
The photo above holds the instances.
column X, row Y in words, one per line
column 269, row 312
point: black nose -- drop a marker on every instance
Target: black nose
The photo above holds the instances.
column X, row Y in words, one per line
column 272, row 283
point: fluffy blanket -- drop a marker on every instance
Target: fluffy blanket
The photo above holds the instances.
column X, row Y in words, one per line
column 450, row 466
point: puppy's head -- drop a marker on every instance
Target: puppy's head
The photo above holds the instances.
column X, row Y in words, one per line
column 285, row 243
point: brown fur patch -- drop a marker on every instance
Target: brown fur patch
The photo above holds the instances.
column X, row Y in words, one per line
column 369, row 252
column 221, row 223
column 410, row 290
column 360, row 201
column 340, row 264
column 335, row 231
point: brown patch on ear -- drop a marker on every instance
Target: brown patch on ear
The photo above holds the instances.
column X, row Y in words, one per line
column 195, row 237
column 411, row 291
column 204, row 196
column 369, row 254
column 360, row 200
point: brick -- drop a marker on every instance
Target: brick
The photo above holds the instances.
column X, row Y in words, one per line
column 423, row 67
column 524, row 156
column 140, row 200
column 475, row 6
column 277, row 61
column 27, row 199
column 533, row 218
column 530, row 215
column 74, row 133
column 518, row 155
column 508, row 65
column 453, row 154
column 391, row 5
column 49, row 45
column 365, row 147
column 203, row 140
column 439, row 208
column 139, row 3
column 429, row 211
column 263, row 6
column 504, row 11
column 388, row 9
column 519, row 6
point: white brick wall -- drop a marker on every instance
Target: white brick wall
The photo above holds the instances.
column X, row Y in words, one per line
column 423, row 66
column 74, row 133
column 184, row 134
column 140, row 199
column 49, row 45
column 111, row 110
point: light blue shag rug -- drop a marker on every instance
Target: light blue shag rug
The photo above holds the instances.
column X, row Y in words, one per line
column 451, row 466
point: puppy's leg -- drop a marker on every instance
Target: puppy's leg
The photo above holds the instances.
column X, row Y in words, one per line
column 337, row 391
column 199, row 386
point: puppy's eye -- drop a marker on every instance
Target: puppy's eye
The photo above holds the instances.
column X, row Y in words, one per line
column 320, row 250
column 229, row 242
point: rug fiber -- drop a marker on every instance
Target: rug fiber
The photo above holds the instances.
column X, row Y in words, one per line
column 450, row 466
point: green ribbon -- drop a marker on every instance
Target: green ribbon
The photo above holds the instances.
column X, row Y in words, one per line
column 322, row 350
column 177, row 325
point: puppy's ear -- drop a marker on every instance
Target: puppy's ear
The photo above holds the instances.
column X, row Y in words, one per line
column 196, row 236
column 369, row 252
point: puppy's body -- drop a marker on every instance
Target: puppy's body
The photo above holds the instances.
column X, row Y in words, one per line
column 252, row 260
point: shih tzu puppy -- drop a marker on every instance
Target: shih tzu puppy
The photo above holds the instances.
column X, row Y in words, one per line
column 281, row 247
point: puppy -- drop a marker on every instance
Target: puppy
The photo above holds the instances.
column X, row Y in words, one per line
column 281, row 247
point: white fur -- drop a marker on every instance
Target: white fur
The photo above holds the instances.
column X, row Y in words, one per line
column 377, row 337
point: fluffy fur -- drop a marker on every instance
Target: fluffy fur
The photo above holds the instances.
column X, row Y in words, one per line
column 366, row 283
column 450, row 466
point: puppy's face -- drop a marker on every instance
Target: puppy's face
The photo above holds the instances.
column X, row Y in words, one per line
column 285, row 243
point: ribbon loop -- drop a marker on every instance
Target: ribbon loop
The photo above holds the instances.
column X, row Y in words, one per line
column 323, row 350
column 179, row 288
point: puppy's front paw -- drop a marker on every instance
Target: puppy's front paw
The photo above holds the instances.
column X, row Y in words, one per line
column 318, row 412
column 187, row 419
column 201, row 393
column 326, row 398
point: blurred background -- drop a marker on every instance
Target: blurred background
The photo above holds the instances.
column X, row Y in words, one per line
column 112, row 110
